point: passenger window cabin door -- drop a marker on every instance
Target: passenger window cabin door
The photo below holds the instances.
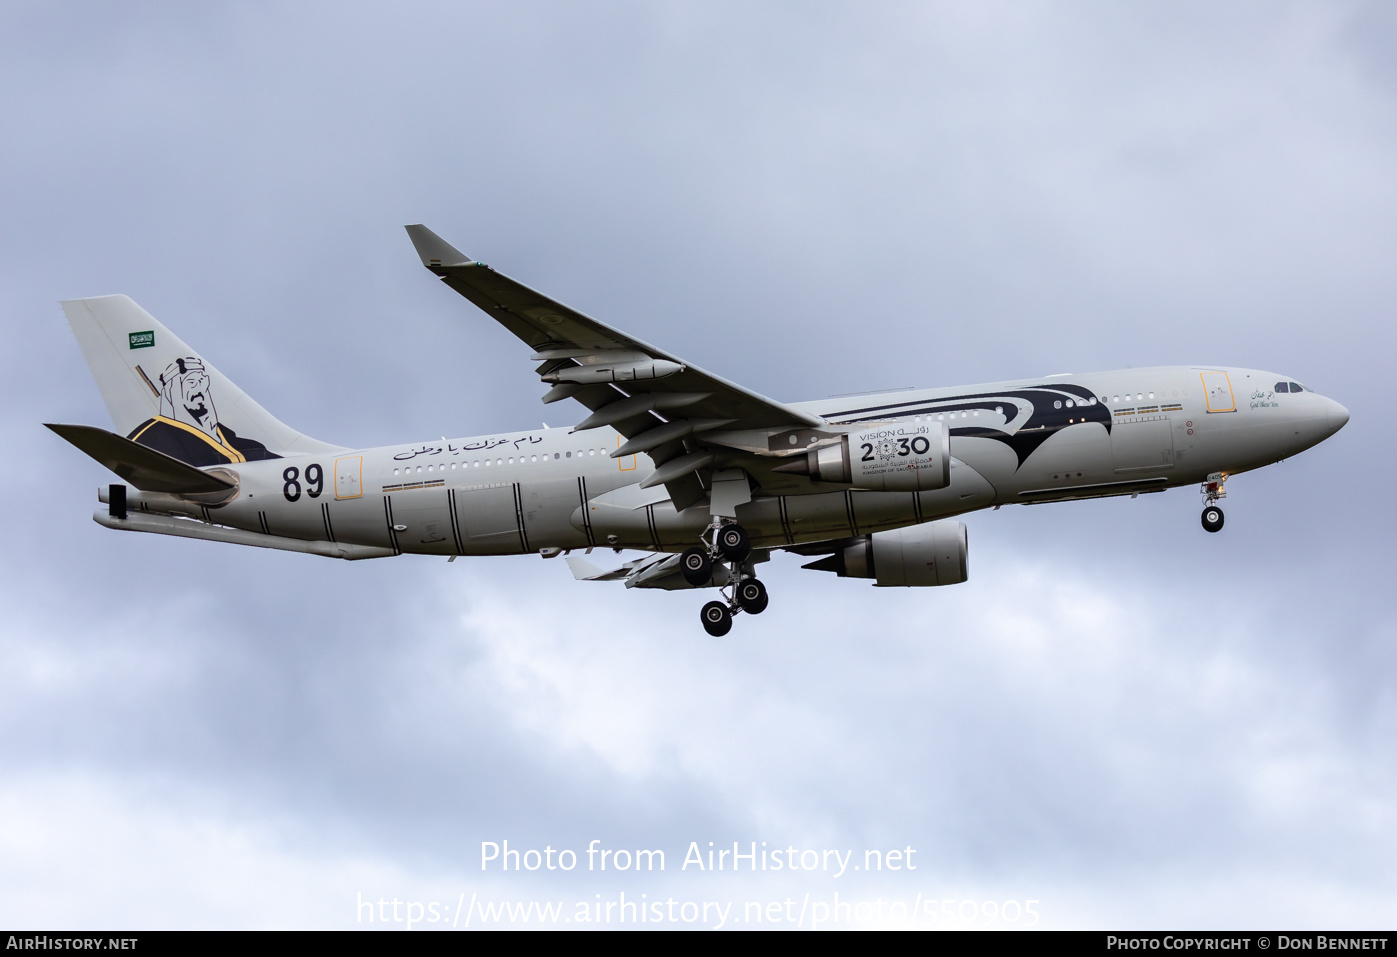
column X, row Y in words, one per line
column 349, row 477
column 1217, row 388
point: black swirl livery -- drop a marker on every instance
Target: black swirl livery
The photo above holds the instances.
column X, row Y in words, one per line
column 1030, row 415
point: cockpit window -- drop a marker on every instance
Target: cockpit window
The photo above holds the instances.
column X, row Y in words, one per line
column 1296, row 387
column 1282, row 386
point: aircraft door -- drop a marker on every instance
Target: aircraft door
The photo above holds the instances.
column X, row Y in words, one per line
column 349, row 477
column 1218, row 389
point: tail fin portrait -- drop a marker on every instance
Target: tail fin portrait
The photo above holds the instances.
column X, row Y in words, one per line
column 165, row 396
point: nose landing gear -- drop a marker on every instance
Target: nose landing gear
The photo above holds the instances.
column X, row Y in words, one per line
column 1212, row 490
column 1212, row 518
column 730, row 546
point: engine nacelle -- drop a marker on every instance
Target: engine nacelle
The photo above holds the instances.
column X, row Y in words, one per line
column 906, row 458
column 935, row 553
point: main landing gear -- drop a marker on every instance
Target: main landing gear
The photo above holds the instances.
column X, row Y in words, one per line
column 728, row 545
column 717, row 618
column 1212, row 490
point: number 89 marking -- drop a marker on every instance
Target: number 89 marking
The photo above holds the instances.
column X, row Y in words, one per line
column 315, row 482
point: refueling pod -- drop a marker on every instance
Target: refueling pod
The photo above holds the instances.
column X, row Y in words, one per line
column 625, row 370
column 935, row 553
column 893, row 458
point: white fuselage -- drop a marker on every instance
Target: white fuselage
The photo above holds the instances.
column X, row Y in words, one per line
column 1052, row 438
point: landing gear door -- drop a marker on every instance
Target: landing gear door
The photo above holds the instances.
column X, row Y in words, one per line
column 349, row 477
column 1218, row 388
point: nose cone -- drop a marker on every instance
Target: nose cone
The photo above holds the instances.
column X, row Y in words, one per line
column 1338, row 416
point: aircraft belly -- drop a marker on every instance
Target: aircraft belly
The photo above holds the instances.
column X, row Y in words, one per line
column 1076, row 455
column 358, row 521
column 273, row 515
column 810, row 518
column 423, row 523
column 762, row 519
column 1229, row 442
column 241, row 513
column 489, row 520
column 637, row 517
column 547, row 511
column 967, row 491
column 1142, row 444
column 993, row 461
column 875, row 511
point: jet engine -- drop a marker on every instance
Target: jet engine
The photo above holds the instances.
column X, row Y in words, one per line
column 908, row 458
column 930, row 554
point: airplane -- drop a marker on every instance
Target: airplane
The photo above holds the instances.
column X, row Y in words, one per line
column 704, row 475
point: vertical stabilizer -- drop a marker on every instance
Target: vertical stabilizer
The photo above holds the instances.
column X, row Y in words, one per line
column 164, row 395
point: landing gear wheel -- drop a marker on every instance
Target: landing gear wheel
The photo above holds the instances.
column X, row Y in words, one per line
column 733, row 542
column 717, row 620
column 696, row 566
column 751, row 595
column 1212, row 518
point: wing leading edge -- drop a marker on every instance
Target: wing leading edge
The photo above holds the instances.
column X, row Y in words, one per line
column 663, row 405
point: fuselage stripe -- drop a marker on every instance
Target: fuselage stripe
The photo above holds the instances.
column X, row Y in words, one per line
column 586, row 510
column 388, row 517
column 455, row 521
column 519, row 517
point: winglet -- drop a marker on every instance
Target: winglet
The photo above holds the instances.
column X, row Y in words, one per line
column 434, row 250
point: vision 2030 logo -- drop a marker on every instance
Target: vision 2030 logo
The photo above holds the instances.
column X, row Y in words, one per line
column 142, row 340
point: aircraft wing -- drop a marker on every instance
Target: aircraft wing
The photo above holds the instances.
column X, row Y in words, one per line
column 662, row 404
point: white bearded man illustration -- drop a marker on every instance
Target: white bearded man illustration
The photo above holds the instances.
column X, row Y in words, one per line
column 188, row 427
column 184, row 396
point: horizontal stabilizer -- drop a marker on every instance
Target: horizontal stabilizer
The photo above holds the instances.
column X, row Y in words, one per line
column 146, row 469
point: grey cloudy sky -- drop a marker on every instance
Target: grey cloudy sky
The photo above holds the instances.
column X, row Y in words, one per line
column 1134, row 722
